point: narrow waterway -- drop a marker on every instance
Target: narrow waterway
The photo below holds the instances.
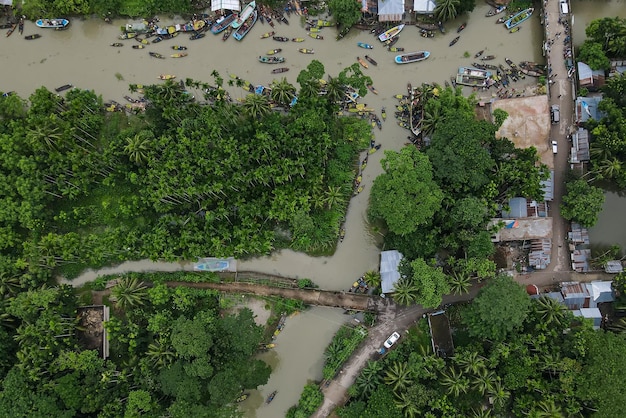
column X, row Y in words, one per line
column 82, row 56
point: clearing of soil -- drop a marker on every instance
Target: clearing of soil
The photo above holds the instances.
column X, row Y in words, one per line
column 258, row 308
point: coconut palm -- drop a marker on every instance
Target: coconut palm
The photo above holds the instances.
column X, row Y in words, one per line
column 484, row 380
column 160, row 353
column 256, row 105
column 546, row 408
column 310, row 88
column 550, row 310
column 455, row 382
column 9, row 285
column 283, row 92
column 404, row 292
column 334, row 90
column 405, row 402
column 398, row 376
column 128, row 292
column 498, row 394
column 446, row 9
column 48, row 135
column 369, row 379
column 470, row 362
column 609, row 168
column 372, row 278
column 618, row 326
column 481, row 413
column 431, row 119
column 459, row 283
column 333, row 196
column 333, row 350
column 138, row 146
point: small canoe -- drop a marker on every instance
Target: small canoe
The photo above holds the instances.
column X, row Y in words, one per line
column 179, row 55
column 157, row 40
column 515, row 29
column 271, row 59
column 280, row 38
column 274, row 51
column 454, row 41
column 227, row 33
column 242, row 398
column 166, row 77
column 63, row 88
column 383, row 113
column 271, row 397
column 128, row 35
column 316, row 36
column 142, row 41
column 364, row 45
column 488, row 58
column 372, row 89
column 479, row 53
column 156, row 55
column 313, row 30
column 306, row 51
column 194, row 37
column 391, row 42
column 374, row 149
column 119, row 44
column 461, row 27
column 139, row 46
column 362, row 62
column 179, row 48
column 371, row 60
column 267, row 35
column 395, row 49
column 297, row 39
column 280, row 70
column 358, row 190
column 495, row 11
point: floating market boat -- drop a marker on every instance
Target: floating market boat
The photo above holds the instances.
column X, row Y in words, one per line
column 280, row 39
column 179, row 48
column 31, row 37
column 271, row 397
column 280, row 70
column 271, row 60
column 274, row 51
column 395, row 49
column 63, row 88
column 362, row 62
column 139, row 46
column 495, row 11
column 118, row 44
column 211, row 264
column 156, row 55
column 52, row 23
column 515, row 29
column 179, row 55
column 195, row 36
column 244, row 15
column 488, row 58
column 227, row 32
column 166, row 77
column 364, row 45
column 316, row 36
column 519, row 18
column 128, row 35
column 267, row 34
column 389, row 34
column 245, row 28
column 411, row 57
column 371, row 60
column 223, row 23
column 479, row 53
column 454, row 41
column 306, row 51
column 242, row 397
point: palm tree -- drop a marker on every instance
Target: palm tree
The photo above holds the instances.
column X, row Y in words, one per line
column 333, row 196
column 430, row 121
column 619, row 326
column 334, row 90
column 256, row 105
column 446, row 10
column 405, row 402
column 550, row 310
column 609, row 168
column 333, row 350
column 470, row 362
column 160, row 353
column 459, row 283
column 138, row 146
column 128, row 292
column 369, row 379
column 372, row 279
column 48, row 135
column 498, row 394
column 398, row 375
column 404, row 292
column 283, row 92
column 9, row 285
column 310, row 88
column 455, row 382
column 484, row 380
column 546, row 408
column 481, row 413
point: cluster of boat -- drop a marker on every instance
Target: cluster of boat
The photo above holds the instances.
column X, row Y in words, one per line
column 57, row 24
column 483, row 75
column 410, row 111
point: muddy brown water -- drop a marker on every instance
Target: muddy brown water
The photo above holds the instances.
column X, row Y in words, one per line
column 82, row 56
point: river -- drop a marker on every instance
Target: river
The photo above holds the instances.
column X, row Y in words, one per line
column 82, row 56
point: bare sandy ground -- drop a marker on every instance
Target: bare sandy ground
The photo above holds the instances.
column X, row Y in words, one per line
column 257, row 306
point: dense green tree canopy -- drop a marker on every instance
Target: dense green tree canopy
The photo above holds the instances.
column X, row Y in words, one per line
column 592, row 54
column 582, row 203
column 405, row 196
column 345, row 12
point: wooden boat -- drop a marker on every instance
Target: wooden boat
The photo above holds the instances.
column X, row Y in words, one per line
column 142, row 41
column 271, row 397
column 495, row 11
column 52, row 23
column 223, row 23
column 179, row 55
column 343, row 33
column 395, row 49
column 267, row 35
column 179, row 48
column 454, row 41
column 371, row 60
column 364, row 45
column 306, row 51
column 427, row 33
column 166, row 77
column 519, row 18
column 119, row 44
column 383, row 113
column 297, row 39
column 411, row 57
column 274, row 51
column 131, row 100
column 245, row 28
column 20, row 26
column 362, row 62
column 389, row 34
column 427, row 26
column 488, row 58
column 479, row 53
column 283, row 19
column 244, row 15
column 280, row 39
column 313, row 30
column 316, row 36
column 158, row 39
column 139, row 46
column 372, row 89
column 6, row 25
column 280, row 70
column 195, row 36
column 271, row 60
column 63, row 88
column 227, row 32
column 242, row 397
column 515, row 29
column 31, row 37
column 461, row 27
column 128, row 35
column 441, row 28
column 391, row 42
column 156, row 55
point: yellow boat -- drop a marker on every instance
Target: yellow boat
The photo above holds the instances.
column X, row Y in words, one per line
column 166, row 77
column 362, row 62
column 179, row 55
column 268, row 34
column 297, row 39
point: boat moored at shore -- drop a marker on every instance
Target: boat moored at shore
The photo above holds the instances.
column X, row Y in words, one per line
column 519, row 18
column 52, row 23
column 411, row 57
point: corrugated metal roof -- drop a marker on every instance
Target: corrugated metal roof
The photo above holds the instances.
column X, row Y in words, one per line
column 389, row 275
column 390, row 10
column 548, row 187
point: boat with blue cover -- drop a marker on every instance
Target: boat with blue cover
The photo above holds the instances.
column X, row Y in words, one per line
column 411, row 57
column 52, row 23
column 519, row 18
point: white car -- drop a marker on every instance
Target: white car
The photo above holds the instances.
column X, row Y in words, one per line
column 392, row 340
column 555, row 147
